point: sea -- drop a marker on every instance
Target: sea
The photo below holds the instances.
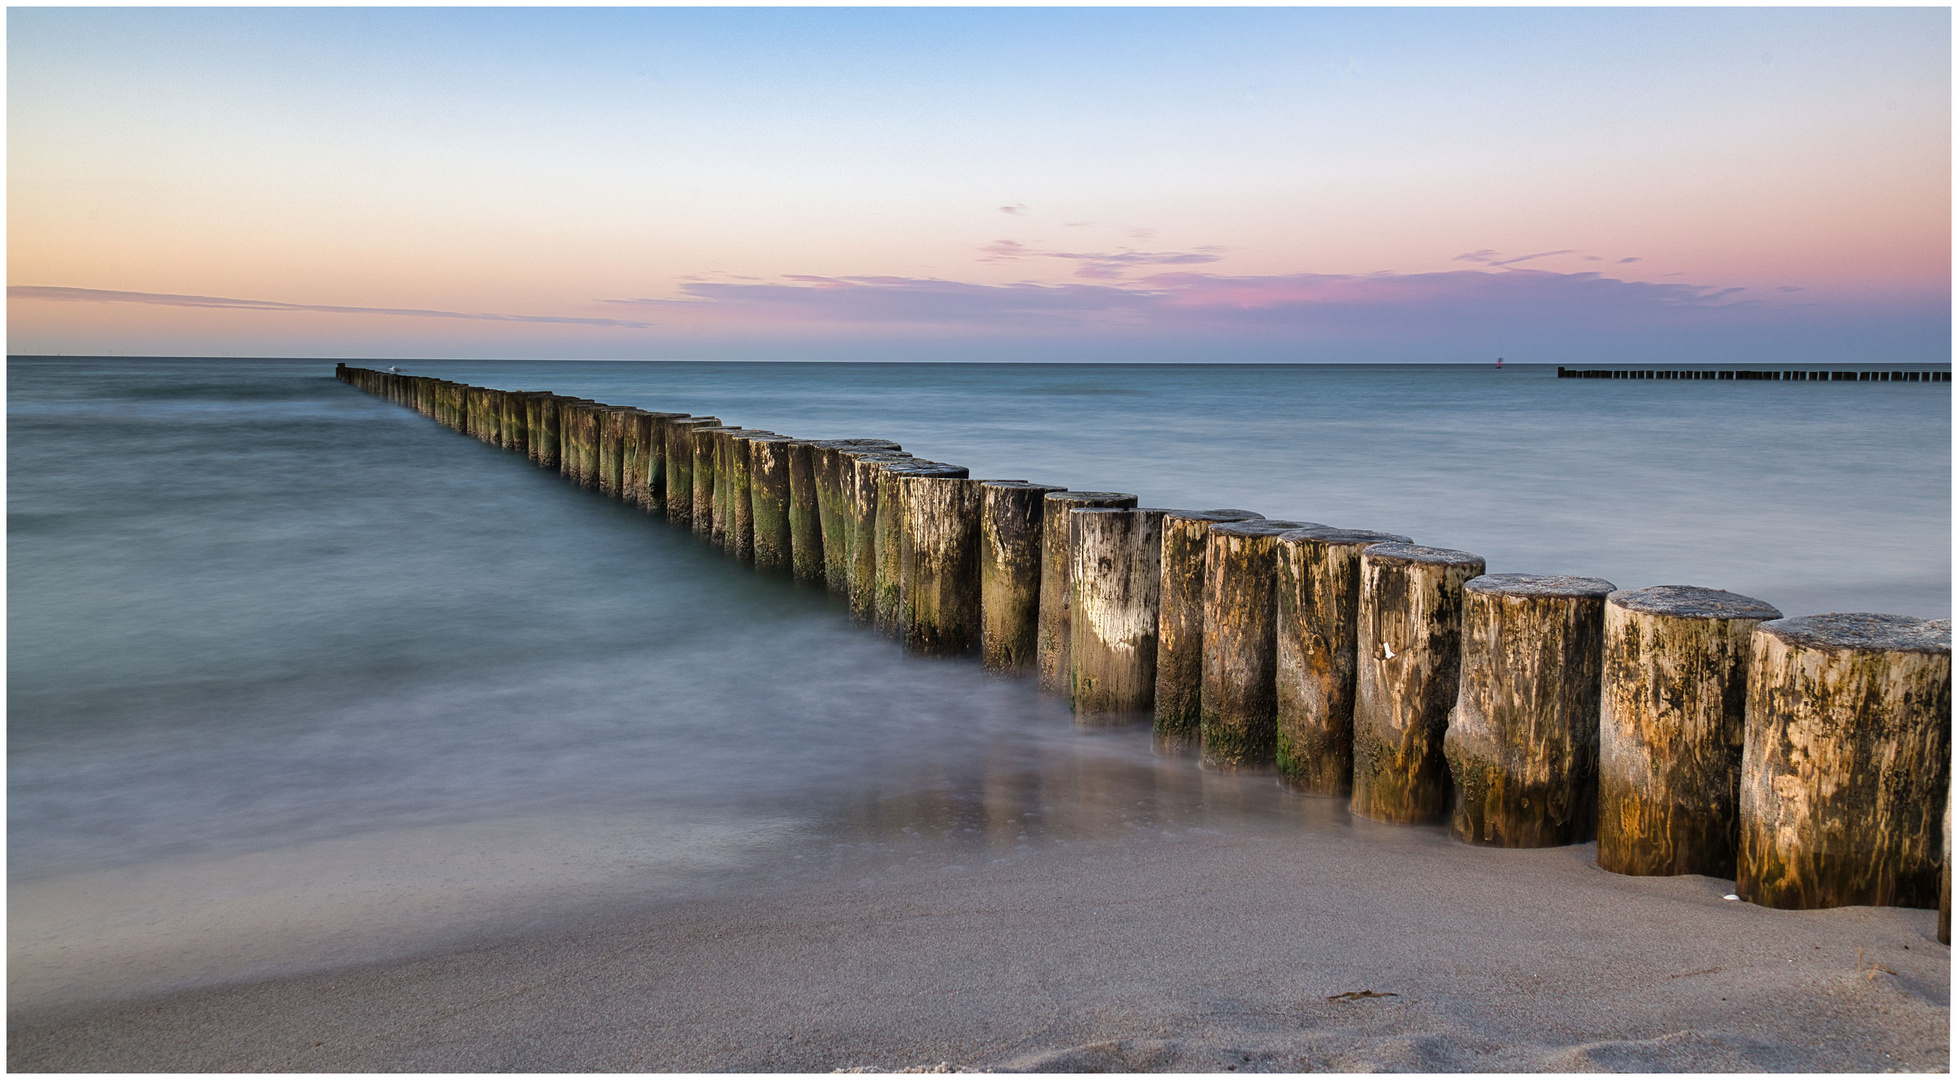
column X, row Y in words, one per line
column 297, row 678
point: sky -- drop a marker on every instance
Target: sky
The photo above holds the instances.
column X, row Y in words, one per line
column 1549, row 185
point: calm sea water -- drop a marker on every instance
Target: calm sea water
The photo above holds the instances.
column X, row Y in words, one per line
column 298, row 677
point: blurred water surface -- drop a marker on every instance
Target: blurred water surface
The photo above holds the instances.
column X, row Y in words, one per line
column 298, row 677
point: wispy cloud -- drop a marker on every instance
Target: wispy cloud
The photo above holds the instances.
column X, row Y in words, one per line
column 1343, row 304
column 1016, row 210
column 1492, row 258
column 1103, row 265
column 112, row 296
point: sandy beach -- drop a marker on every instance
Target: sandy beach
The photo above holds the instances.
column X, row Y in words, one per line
column 1343, row 946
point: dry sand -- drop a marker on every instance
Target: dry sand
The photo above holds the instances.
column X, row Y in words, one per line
column 1189, row 950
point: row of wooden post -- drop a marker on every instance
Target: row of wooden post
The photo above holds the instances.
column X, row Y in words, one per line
column 1687, row 730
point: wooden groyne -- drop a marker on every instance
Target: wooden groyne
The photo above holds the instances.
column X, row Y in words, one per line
column 1691, row 731
column 1753, row 375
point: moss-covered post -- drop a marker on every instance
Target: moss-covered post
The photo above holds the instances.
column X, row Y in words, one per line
column 769, row 479
column 855, row 556
column 591, row 419
column 1409, row 649
column 1115, row 584
column 740, row 537
column 1846, row 767
column 1056, row 578
column 1318, row 655
column 652, row 457
column 611, row 451
column 1238, row 726
column 1010, row 520
column 1522, row 742
column 635, row 429
column 1179, row 622
column 567, row 436
column 1671, row 719
column 544, row 443
column 831, row 472
column 805, row 513
column 706, row 450
column 472, row 416
column 938, row 602
column 516, row 422
column 846, row 508
column 679, row 467
column 886, row 544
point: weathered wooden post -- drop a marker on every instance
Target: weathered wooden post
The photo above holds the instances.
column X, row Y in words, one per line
column 543, row 425
column 1238, row 729
column 652, row 457
column 1522, row 742
column 679, row 466
column 860, row 471
column 706, row 450
column 1670, row 723
column 567, row 436
column 611, row 450
column 739, row 537
column 769, row 468
column 635, row 458
column 806, row 552
column 1410, row 655
column 1010, row 521
column 1944, row 875
column 1846, row 768
column 516, row 430
column 1056, row 580
column 838, row 511
column 1318, row 661
column 571, row 418
column 590, row 420
column 1115, row 584
column 1179, row 622
column 889, row 536
column 938, row 591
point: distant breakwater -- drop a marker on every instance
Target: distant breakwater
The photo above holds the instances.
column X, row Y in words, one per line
column 1687, row 730
column 1750, row 375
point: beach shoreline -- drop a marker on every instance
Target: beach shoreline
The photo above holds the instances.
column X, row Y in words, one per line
column 1254, row 949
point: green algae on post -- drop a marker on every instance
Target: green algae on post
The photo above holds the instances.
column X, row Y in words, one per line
column 773, row 539
column 1179, row 622
column 1671, row 719
column 1522, row 742
column 1238, row 724
column 679, row 466
column 1318, row 655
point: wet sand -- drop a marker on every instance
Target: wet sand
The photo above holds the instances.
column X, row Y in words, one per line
column 1178, row 949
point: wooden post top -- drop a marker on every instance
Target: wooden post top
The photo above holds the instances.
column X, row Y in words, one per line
column 1259, row 527
column 1326, row 534
column 1863, row 632
column 1691, row 602
column 1415, row 553
column 1020, row 485
column 1564, row 586
column 1086, row 497
column 1214, row 515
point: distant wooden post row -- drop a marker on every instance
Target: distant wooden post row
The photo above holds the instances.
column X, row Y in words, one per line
column 1687, row 730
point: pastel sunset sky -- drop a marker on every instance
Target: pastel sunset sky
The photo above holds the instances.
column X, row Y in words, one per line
column 1296, row 184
